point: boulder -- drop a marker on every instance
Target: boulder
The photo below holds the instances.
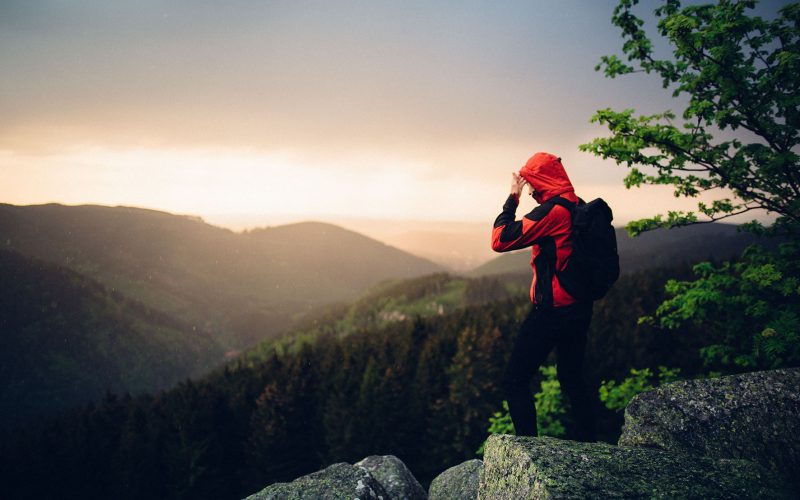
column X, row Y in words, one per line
column 457, row 483
column 394, row 476
column 337, row 481
column 755, row 416
column 517, row 467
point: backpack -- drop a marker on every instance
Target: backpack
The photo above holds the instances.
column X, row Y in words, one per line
column 593, row 266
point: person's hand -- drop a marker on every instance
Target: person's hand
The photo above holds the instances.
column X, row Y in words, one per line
column 517, row 183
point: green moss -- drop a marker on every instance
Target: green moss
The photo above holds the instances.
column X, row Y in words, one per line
column 755, row 416
column 523, row 467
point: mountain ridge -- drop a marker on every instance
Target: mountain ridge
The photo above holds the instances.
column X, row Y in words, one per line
column 243, row 286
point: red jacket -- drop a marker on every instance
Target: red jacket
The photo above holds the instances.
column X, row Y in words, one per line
column 547, row 228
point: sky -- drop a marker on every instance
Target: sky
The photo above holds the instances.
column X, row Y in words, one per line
column 253, row 112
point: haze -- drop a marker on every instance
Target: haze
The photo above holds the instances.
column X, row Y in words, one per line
column 372, row 114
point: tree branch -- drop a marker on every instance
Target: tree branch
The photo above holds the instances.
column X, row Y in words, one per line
column 717, row 219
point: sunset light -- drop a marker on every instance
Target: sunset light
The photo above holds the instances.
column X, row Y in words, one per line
column 426, row 250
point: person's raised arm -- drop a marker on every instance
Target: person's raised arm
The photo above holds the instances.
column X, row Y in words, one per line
column 509, row 234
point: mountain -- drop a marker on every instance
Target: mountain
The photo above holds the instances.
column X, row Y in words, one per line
column 65, row 339
column 658, row 248
column 242, row 287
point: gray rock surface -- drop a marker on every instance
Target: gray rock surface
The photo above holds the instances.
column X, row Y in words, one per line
column 394, row 476
column 518, row 467
column 457, row 483
column 731, row 437
column 338, row 481
column 755, row 416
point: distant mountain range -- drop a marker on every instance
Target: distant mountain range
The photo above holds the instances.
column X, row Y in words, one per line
column 242, row 287
column 657, row 248
column 101, row 298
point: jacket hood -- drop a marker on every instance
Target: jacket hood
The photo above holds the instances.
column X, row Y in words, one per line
column 546, row 174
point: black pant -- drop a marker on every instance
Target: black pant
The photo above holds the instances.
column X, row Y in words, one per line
column 562, row 328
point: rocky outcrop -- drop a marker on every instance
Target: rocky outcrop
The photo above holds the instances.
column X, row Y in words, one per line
column 394, row 476
column 731, row 437
column 755, row 416
column 457, row 483
column 374, row 478
column 337, row 481
column 524, row 467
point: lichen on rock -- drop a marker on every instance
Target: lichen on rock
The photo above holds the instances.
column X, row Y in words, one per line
column 754, row 416
column 457, row 483
column 394, row 476
column 335, row 482
column 517, row 467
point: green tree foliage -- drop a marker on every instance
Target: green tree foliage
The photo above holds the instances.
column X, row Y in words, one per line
column 738, row 72
column 616, row 395
column 551, row 415
column 737, row 136
column 751, row 305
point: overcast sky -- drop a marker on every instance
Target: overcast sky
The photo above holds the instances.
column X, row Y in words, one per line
column 297, row 110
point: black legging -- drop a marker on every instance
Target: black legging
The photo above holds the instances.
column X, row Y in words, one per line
column 565, row 329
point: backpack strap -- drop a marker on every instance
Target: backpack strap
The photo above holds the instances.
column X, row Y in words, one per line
column 564, row 203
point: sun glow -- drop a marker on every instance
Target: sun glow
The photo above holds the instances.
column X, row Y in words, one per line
column 284, row 185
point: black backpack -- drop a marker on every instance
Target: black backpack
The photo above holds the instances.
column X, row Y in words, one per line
column 593, row 266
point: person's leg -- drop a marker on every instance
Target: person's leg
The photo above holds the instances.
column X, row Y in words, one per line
column 570, row 347
column 534, row 342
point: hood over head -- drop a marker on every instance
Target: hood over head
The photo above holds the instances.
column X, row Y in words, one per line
column 546, row 174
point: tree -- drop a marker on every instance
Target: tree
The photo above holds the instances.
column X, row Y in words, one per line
column 737, row 137
column 285, row 430
column 740, row 73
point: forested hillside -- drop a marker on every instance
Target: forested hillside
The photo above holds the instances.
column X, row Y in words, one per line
column 395, row 301
column 419, row 388
column 66, row 339
column 243, row 287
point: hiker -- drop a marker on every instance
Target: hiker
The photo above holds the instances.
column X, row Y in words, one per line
column 556, row 319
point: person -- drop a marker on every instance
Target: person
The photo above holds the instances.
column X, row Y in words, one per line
column 556, row 319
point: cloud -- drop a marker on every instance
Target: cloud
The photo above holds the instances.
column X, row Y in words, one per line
column 329, row 76
column 195, row 105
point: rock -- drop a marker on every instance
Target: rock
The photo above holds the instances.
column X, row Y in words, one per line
column 394, row 476
column 755, row 416
column 457, row 483
column 518, row 467
column 337, row 481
